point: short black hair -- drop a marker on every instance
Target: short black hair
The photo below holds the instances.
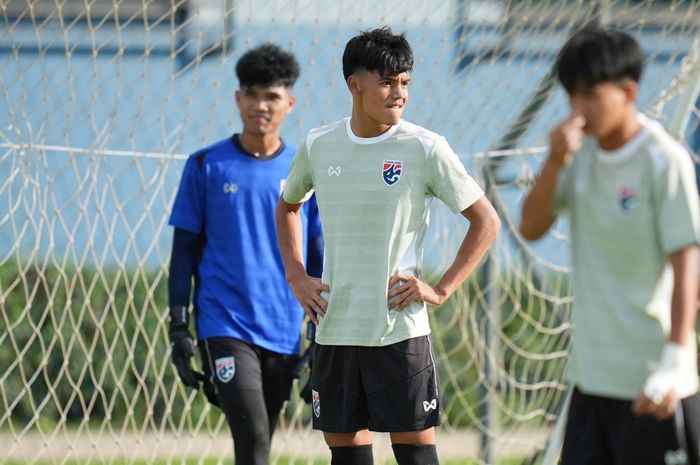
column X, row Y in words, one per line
column 267, row 65
column 378, row 50
column 594, row 55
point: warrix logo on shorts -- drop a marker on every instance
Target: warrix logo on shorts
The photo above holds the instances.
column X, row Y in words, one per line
column 428, row 406
column 316, row 403
column 225, row 369
column 676, row 457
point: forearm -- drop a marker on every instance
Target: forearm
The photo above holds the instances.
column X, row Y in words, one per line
column 537, row 210
column 685, row 291
column 183, row 266
column 481, row 234
column 290, row 238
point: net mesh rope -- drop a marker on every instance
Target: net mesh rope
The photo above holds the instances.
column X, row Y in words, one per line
column 103, row 100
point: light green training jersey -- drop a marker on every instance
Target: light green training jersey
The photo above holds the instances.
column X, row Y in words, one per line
column 629, row 210
column 373, row 199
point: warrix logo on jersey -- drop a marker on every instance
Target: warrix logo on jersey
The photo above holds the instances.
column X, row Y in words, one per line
column 627, row 199
column 230, row 188
column 225, row 369
column 391, row 171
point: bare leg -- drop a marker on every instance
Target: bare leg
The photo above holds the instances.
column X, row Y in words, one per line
column 357, row 438
column 425, row 437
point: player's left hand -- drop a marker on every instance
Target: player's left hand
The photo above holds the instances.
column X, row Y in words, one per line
column 411, row 289
column 660, row 394
column 663, row 410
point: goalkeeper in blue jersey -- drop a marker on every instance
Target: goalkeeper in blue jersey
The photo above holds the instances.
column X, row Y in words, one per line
column 248, row 322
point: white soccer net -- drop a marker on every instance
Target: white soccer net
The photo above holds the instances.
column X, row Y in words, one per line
column 102, row 100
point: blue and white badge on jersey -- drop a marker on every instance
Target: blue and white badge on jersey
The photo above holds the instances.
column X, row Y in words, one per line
column 627, row 200
column 391, row 171
column 225, row 369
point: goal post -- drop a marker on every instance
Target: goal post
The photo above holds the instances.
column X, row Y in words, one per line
column 102, row 101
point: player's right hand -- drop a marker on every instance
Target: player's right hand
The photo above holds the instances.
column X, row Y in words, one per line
column 182, row 350
column 308, row 291
column 565, row 139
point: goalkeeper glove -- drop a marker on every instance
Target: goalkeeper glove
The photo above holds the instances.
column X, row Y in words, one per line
column 182, row 346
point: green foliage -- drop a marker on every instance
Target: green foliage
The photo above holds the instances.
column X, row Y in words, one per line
column 527, row 329
column 84, row 347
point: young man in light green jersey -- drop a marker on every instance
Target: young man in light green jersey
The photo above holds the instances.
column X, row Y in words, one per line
column 629, row 191
column 374, row 176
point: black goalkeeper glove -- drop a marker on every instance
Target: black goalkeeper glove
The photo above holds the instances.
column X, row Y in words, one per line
column 182, row 346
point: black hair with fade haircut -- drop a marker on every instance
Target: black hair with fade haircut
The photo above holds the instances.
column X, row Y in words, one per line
column 594, row 55
column 267, row 65
column 378, row 50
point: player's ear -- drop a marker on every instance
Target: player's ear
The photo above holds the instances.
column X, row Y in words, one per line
column 354, row 84
column 238, row 97
column 631, row 90
column 292, row 102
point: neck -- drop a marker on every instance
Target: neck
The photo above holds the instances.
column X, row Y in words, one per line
column 261, row 144
column 364, row 126
column 622, row 134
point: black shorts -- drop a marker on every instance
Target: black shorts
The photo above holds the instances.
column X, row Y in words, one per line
column 234, row 365
column 603, row 431
column 391, row 389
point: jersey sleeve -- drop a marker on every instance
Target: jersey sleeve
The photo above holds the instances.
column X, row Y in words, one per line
column 299, row 182
column 448, row 180
column 188, row 209
column 676, row 203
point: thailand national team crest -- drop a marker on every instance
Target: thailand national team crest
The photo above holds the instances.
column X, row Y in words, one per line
column 627, row 199
column 316, row 403
column 391, row 171
column 225, row 369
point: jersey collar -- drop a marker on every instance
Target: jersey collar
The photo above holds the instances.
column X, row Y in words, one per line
column 630, row 148
column 371, row 140
column 236, row 141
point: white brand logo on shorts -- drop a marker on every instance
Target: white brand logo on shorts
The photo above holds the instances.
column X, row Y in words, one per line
column 334, row 170
column 316, row 403
column 225, row 369
column 432, row 405
column 676, row 457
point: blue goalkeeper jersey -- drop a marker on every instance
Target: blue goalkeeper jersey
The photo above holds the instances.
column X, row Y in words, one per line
column 228, row 197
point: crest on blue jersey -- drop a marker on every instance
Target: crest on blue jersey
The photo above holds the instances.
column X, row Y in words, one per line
column 225, row 369
column 316, row 403
column 627, row 199
column 391, row 171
